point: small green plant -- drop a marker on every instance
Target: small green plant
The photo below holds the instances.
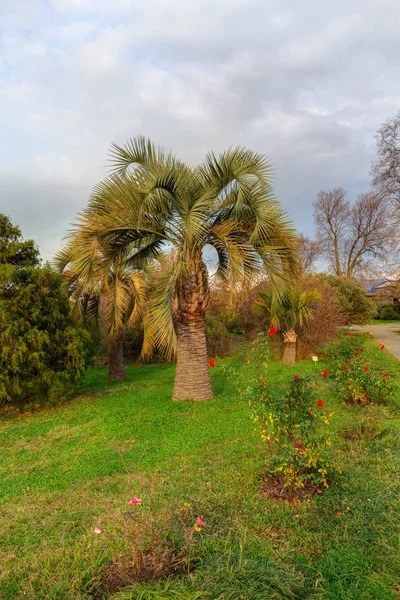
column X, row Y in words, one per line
column 292, row 425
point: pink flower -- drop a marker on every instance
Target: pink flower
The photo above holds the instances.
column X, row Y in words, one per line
column 135, row 501
column 325, row 373
column 200, row 522
column 97, row 530
column 295, row 376
column 212, row 363
column 320, row 403
column 272, row 331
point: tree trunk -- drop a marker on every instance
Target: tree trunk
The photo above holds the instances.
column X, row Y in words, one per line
column 116, row 368
column 192, row 379
column 289, row 348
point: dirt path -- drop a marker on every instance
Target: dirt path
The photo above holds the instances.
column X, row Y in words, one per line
column 386, row 335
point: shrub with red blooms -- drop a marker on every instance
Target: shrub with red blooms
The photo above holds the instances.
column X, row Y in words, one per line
column 292, row 425
column 357, row 382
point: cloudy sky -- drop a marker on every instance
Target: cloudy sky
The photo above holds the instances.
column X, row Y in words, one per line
column 307, row 83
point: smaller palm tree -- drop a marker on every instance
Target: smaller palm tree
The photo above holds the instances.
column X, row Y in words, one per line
column 109, row 293
column 288, row 312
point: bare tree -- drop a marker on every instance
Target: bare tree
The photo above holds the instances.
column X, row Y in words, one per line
column 386, row 170
column 309, row 251
column 352, row 234
column 331, row 216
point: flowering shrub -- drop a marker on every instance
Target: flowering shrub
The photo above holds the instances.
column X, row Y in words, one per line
column 341, row 351
column 292, row 425
column 358, row 382
column 361, row 385
column 153, row 546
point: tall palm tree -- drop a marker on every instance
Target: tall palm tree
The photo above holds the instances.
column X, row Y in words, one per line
column 154, row 203
column 288, row 312
column 109, row 292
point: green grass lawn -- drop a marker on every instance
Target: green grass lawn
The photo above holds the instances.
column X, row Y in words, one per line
column 66, row 470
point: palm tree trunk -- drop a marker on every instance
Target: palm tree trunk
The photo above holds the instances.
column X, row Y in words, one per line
column 116, row 368
column 289, row 348
column 192, row 379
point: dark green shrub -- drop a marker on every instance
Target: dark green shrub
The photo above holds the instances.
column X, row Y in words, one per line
column 219, row 340
column 232, row 322
column 42, row 353
column 388, row 313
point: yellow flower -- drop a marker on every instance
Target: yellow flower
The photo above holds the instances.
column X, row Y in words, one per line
column 197, row 528
column 186, row 506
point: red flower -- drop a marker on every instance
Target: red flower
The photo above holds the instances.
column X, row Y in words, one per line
column 367, row 332
column 382, row 346
column 351, row 334
column 358, row 349
column 212, row 363
column 337, row 514
column 345, row 368
column 325, row 373
column 366, row 369
column 295, row 376
column 386, row 374
column 320, row 403
column 272, row 331
column 347, row 359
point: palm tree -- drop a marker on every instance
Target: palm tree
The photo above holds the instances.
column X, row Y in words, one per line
column 288, row 312
column 154, row 203
column 110, row 293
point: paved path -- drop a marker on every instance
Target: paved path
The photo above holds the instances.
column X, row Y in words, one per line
column 386, row 335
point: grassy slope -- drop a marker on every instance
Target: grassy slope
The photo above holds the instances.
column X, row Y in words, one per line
column 64, row 470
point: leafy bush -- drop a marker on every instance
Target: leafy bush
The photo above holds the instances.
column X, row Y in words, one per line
column 232, row 322
column 344, row 348
column 219, row 340
column 356, row 307
column 42, row 353
column 291, row 425
column 357, row 381
column 388, row 313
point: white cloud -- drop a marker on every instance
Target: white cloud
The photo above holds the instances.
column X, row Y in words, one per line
column 306, row 84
